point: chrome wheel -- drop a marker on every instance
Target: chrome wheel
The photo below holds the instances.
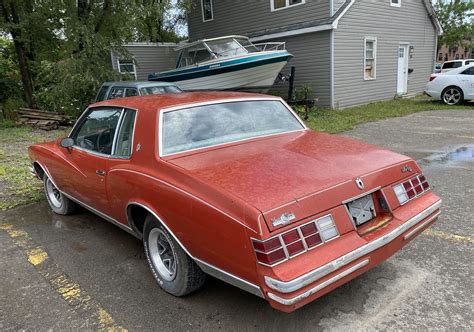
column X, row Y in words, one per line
column 162, row 254
column 54, row 194
column 452, row 96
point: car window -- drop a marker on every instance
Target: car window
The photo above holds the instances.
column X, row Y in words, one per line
column 116, row 92
column 452, row 64
column 468, row 71
column 97, row 129
column 101, row 93
column 125, row 135
column 157, row 90
column 468, row 62
column 131, row 92
column 208, row 125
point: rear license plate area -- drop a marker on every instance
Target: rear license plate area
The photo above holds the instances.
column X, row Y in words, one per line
column 362, row 209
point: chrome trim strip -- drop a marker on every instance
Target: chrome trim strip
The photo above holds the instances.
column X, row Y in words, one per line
column 117, row 130
column 215, row 102
column 318, row 287
column 229, row 278
column 101, row 214
column 312, row 276
column 206, row 267
column 420, row 226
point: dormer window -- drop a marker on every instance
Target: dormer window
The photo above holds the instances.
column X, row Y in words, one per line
column 281, row 4
column 396, row 3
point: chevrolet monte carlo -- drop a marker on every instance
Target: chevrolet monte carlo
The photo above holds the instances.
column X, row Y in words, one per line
column 234, row 185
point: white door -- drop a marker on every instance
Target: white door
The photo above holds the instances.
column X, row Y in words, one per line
column 402, row 78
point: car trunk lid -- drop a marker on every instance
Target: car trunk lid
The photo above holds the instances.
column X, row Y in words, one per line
column 295, row 175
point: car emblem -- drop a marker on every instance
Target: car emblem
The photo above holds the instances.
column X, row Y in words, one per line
column 359, row 183
column 406, row 168
column 284, row 219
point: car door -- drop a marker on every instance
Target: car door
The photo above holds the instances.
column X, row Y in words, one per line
column 466, row 80
column 94, row 138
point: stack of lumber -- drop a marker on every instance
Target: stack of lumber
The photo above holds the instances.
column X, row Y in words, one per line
column 42, row 119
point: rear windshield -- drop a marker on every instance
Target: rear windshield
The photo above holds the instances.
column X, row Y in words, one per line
column 158, row 90
column 209, row 125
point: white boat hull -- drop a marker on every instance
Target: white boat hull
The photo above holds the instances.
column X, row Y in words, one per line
column 259, row 78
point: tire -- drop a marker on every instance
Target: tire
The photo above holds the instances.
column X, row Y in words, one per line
column 452, row 95
column 59, row 203
column 173, row 269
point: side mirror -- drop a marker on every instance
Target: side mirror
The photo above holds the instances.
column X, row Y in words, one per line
column 67, row 142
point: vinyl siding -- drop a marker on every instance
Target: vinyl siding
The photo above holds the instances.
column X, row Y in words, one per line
column 150, row 59
column 391, row 25
column 241, row 17
column 311, row 60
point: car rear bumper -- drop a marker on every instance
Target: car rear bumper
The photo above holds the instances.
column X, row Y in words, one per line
column 434, row 94
column 321, row 280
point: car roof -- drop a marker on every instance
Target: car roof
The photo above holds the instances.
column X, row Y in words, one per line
column 157, row 102
column 458, row 60
column 137, row 84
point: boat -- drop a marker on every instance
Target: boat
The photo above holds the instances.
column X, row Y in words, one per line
column 226, row 63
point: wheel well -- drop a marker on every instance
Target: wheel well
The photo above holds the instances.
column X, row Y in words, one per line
column 136, row 217
column 38, row 169
column 453, row 86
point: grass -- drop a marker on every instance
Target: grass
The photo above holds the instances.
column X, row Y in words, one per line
column 332, row 121
column 17, row 186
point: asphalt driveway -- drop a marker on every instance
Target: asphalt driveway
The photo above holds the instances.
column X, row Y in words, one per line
column 80, row 272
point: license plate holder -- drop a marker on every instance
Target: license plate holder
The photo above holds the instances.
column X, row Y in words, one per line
column 362, row 210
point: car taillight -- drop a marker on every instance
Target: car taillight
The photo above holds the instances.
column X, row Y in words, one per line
column 296, row 241
column 432, row 77
column 410, row 189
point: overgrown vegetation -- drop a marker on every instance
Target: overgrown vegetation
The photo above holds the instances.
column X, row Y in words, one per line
column 17, row 186
column 54, row 54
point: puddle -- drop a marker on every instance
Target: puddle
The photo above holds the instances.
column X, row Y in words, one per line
column 462, row 154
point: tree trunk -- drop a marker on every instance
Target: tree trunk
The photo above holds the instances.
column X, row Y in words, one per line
column 20, row 49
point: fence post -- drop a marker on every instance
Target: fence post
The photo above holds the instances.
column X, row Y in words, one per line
column 290, row 87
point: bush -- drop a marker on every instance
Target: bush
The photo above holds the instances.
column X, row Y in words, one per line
column 9, row 107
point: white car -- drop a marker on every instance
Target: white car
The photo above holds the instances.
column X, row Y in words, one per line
column 452, row 87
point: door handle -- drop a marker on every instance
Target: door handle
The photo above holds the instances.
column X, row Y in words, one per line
column 100, row 172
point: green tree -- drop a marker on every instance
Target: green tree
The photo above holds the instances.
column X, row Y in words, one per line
column 62, row 47
column 456, row 18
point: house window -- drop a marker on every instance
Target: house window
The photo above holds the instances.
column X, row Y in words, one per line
column 370, row 57
column 127, row 66
column 207, row 10
column 440, row 56
column 280, row 4
column 395, row 3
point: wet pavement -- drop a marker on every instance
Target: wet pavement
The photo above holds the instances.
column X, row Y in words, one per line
column 80, row 272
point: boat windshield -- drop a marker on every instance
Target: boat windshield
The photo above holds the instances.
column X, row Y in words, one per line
column 194, row 54
column 226, row 47
column 208, row 125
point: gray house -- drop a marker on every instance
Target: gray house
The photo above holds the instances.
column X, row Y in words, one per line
column 349, row 52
